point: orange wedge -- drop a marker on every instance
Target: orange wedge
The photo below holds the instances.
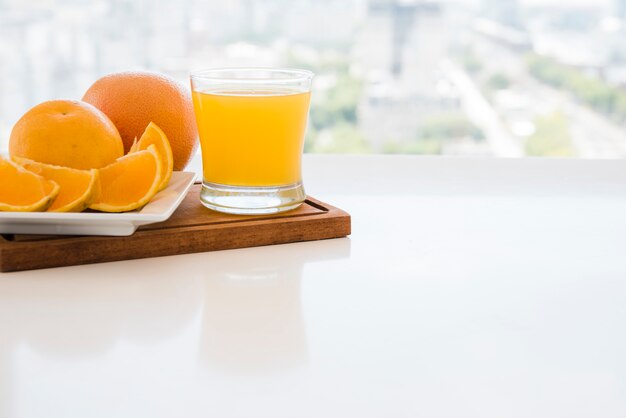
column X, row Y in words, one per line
column 130, row 182
column 153, row 135
column 24, row 191
column 79, row 188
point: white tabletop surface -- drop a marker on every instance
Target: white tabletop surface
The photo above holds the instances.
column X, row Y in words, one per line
column 469, row 288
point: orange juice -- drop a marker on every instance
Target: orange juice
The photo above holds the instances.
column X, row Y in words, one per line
column 251, row 138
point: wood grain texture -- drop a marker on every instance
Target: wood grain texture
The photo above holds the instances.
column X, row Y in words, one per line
column 191, row 229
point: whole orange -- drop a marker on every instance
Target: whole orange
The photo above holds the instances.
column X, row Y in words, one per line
column 68, row 133
column 133, row 99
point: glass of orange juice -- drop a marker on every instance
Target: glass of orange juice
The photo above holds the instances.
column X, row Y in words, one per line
column 251, row 123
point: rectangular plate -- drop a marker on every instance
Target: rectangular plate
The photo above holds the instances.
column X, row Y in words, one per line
column 158, row 209
column 191, row 229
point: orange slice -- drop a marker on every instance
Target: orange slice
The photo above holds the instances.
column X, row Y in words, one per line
column 24, row 191
column 130, row 182
column 153, row 135
column 79, row 188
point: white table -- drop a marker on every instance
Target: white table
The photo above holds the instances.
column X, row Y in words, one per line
column 469, row 288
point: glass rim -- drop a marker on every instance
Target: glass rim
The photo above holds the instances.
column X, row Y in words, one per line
column 225, row 74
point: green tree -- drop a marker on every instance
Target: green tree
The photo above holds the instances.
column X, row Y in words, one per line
column 344, row 139
column 338, row 105
column 449, row 125
column 498, row 81
column 620, row 108
column 422, row 146
column 310, row 138
column 551, row 137
column 594, row 92
column 470, row 61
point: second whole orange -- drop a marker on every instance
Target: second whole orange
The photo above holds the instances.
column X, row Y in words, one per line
column 133, row 99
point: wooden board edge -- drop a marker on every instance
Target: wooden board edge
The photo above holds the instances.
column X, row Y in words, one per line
column 282, row 231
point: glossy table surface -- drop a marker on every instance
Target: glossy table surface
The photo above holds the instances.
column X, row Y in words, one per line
column 469, row 288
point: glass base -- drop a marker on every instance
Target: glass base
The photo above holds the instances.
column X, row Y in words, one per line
column 242, row 200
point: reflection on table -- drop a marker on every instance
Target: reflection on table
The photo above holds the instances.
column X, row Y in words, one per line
column 244, row 306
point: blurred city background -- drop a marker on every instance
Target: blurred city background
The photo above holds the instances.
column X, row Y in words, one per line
column 502, row 78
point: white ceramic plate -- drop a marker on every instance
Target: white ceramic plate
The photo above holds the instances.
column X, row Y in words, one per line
column 159, row 209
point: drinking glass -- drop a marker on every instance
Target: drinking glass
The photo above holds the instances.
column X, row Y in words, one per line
column 251, row 123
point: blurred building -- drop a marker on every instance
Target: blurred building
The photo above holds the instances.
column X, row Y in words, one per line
column 400, row 50
column 506, row 12
column 620, row 9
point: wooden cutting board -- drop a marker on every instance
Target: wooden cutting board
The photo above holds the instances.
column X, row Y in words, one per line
column 191, row 229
